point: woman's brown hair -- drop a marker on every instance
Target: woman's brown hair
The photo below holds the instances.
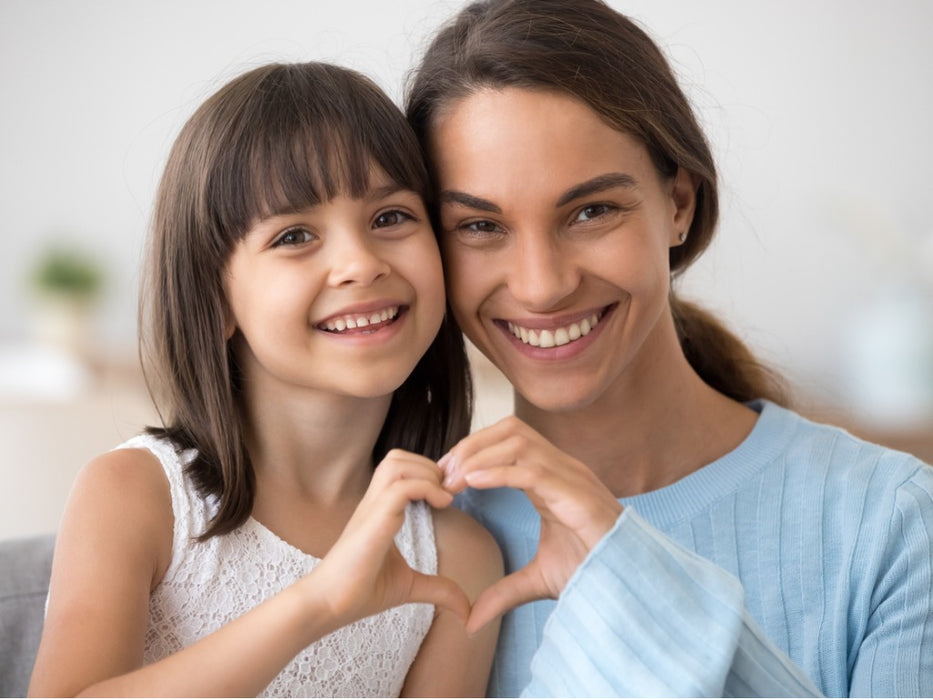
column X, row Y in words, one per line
column 279, row 138
column 586, row 49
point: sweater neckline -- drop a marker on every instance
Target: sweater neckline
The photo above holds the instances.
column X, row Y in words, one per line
column 676, row 502
column 695, row 492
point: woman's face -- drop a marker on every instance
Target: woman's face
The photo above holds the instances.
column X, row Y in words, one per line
column 555, row 231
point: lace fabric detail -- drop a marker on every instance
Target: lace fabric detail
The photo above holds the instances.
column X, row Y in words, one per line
column 209, row 584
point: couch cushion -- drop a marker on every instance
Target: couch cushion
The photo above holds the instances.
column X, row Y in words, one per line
column 25, row 566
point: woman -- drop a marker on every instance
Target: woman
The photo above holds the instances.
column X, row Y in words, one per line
column 698, row 537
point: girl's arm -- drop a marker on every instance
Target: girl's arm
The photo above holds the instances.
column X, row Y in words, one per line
column 450, row 663
column 114, row 547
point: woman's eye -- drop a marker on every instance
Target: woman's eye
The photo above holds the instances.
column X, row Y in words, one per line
column 393, row 217
column 592, row 211
column 293, row 236
column 484, row 227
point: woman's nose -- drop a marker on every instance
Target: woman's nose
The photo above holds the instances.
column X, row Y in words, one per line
column 543, row 274
column 354, row 260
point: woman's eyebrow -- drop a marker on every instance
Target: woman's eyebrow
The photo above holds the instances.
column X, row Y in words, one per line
column 600, row 183
column 468, row 200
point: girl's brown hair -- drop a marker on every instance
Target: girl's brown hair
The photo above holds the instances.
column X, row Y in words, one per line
column 279, row 138
column 586, row 49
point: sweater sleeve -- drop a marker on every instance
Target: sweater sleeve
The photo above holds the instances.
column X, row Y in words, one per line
column 613, row 634
column 895, row 656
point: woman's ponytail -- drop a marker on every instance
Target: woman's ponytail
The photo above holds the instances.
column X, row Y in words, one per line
column 721, row 359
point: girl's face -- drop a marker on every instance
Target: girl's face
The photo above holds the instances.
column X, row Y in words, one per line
column 556, row 232
column 344, row 297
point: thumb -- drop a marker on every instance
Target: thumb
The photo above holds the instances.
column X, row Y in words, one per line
column 517, row 588
column 440, row 591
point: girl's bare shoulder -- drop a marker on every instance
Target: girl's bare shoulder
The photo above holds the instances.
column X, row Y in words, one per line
column 466, row 551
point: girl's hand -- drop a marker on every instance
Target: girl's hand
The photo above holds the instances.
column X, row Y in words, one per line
column 576, row 509
column 364, row 573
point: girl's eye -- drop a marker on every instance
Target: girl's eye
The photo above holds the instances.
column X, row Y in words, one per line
column 592, row 211
column 293, row 236
column 393, row 217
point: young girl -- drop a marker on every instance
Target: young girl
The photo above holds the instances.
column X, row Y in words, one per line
column 296, row 313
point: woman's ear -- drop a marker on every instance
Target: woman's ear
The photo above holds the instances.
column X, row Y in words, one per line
column 684, row 187
column 229, row 322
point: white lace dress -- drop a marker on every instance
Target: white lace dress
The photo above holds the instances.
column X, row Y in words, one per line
column 210, row 583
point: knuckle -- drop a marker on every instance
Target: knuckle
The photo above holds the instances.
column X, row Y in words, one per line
column 519, row 443
column 511, row 422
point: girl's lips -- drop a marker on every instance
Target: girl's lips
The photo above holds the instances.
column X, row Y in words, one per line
column 361, row 320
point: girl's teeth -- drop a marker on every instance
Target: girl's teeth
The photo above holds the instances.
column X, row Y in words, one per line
column 557, row 337
column 352, row 322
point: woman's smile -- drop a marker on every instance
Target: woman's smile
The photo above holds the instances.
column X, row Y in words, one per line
column 556, row 338
column 557, row 257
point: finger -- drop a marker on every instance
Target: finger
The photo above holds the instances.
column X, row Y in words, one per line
column 585, row 506
column 516, row 476
column 398, row 464
column 481, row 439
column 442, row 592
column 393, row 500
column 522, row 586
column 506, row 451
column 381, row 513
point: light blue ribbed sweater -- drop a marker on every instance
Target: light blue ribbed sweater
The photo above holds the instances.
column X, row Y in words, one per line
column 800, row 563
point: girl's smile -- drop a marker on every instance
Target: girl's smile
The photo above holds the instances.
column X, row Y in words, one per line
column 371, row 323
column 342, row 296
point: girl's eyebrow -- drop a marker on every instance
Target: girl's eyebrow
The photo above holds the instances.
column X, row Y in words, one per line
column 600, row 183
column 385, row 191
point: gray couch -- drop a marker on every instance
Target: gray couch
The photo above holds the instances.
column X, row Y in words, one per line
column 25, row 565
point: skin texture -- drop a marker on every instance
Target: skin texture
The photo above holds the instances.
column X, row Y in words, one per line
column 315, row 403
column 550, row 216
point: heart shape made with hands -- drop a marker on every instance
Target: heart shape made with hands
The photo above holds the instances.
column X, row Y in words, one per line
column 575, row 507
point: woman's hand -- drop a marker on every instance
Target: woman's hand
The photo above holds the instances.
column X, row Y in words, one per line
column 576, row 509
column 364, row 573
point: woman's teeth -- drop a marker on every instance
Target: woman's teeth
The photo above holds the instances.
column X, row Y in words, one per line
column 339, row 324
column 549, row 338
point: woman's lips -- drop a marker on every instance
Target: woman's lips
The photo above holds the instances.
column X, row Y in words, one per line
column 557, row 338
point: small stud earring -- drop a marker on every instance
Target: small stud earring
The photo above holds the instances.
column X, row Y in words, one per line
column 682, row 236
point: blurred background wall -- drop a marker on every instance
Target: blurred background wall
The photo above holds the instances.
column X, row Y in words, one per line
column 819, row 114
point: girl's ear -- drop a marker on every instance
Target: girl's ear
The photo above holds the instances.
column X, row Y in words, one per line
column 684, row 198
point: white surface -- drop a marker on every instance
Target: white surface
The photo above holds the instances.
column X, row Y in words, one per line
column 45, row 441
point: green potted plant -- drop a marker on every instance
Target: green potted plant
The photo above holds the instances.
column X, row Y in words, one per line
column 66, row 283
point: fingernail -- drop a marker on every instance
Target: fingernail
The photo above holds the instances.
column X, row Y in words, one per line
column 449, row 466
column 476, row 478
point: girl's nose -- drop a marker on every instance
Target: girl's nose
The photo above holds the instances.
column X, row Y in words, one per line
column 354, row 260
column 542, row 274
